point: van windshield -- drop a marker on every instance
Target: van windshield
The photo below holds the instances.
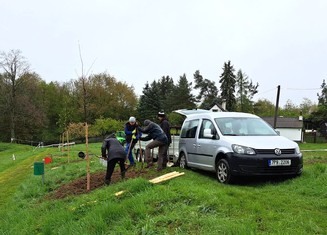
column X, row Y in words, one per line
column 240, row 126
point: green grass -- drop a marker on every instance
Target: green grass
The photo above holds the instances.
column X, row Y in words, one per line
column 191, row 204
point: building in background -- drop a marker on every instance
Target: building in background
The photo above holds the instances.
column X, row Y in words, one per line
column 291, row 128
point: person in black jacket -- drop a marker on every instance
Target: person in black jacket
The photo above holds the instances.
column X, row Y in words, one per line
column 114, row 152
column 165, row 126
column 159, row 139
column 132, row 136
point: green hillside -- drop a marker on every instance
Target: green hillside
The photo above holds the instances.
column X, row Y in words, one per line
column 194, row 203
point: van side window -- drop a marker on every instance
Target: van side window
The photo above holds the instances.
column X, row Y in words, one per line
column 206, row 125
column 189, row 129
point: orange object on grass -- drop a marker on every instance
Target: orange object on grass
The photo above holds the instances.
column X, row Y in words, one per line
column 47, row 160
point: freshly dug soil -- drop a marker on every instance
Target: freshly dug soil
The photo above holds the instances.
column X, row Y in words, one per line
column 79, row 186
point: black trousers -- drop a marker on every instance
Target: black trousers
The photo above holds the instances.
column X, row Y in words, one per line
column 111, row 166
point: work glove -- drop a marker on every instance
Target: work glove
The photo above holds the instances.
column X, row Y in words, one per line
column 134, row 131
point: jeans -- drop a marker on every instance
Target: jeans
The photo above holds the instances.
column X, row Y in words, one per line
column 130, row 155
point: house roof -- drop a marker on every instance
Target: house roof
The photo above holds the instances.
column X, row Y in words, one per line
column 285, row 122
column 217, row 108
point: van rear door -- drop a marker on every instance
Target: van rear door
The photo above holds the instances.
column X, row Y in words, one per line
column 187, row 141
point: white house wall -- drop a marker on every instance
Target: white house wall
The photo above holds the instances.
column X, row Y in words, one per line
column 292, row 134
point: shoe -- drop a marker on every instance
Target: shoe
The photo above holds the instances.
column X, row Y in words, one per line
column 107, row 182
column 149, row 165
column 159, row 169
column 130, row 166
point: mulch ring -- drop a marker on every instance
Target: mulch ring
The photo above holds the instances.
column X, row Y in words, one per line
column 79, row 186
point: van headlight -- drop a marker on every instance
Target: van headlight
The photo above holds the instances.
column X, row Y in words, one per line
column 242, row 149
column 297, row 150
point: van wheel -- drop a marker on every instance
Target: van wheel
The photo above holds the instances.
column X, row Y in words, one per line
column 183, row 161
column 223, row 172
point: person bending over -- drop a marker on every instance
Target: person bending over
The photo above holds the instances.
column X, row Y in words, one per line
column 159, row 139
column 114, row 152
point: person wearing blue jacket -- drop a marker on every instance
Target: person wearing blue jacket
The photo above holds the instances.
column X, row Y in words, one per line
column 159, row 139
column 114, row 152
column 132, row 136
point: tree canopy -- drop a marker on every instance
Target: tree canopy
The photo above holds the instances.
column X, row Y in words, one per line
column 39, row 111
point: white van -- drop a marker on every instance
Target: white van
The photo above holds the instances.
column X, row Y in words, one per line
column 233, row 144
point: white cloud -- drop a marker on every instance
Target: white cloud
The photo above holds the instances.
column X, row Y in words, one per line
column 273, row 42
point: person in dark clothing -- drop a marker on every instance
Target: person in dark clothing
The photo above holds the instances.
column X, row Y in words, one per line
column 132, row 136
column 114, row 152
column 165, row 126
column 159, row 139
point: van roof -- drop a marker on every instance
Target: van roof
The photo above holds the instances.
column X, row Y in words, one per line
column 208, row 113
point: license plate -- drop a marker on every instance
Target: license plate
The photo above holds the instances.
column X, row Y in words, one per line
column 279, row 162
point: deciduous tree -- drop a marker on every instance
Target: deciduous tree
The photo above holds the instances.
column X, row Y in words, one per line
column 319, row 117
column 264, row 108
column 14, row 65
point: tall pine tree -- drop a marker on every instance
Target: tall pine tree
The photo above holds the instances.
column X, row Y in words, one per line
column 165, row 90
column 227, row 87
column 182, row 97
column 149, row 102
column 208, row 94
column 245, row 92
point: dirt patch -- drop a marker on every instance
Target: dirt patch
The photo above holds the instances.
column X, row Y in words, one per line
column 79, row 186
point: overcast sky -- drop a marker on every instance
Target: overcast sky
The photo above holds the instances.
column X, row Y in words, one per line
column 275, row 42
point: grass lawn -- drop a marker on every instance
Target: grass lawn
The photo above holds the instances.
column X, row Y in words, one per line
column 194, row 203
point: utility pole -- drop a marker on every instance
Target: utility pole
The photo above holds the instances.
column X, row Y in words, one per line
column 276, row 107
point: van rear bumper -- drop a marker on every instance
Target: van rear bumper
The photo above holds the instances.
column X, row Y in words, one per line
column 259, row 164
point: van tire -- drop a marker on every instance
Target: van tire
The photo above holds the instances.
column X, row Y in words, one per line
column 223, row 172
column 183, row 161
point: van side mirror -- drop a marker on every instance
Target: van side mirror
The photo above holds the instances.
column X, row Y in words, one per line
column 207, row 133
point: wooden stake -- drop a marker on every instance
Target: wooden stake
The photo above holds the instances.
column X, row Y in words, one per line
column 68, row 146
column 87, row 157
column 63, row 142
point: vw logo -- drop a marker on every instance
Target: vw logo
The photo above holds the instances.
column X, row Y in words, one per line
column 278, row 152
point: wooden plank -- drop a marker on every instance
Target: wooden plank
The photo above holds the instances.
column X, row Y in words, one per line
column 163, row 177
column 166, row 178
column 120, row 193
column 159, row 179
